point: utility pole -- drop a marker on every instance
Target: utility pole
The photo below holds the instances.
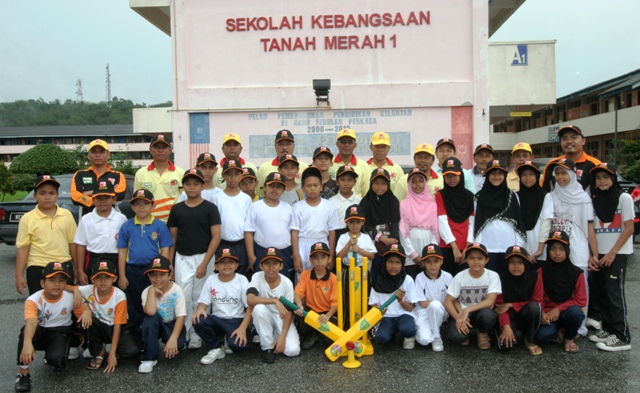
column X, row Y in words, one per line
column 79, row 96
column 108, row 82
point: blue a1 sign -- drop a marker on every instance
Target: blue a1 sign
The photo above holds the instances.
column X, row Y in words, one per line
column 520, row 57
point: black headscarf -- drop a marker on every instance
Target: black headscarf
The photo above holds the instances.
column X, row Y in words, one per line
column 381, row 209
column 605, row 202
column 458, row 201
column 560, row 278
column 518, row 288
column 531, row 202
column 385, row 282
column 497, row 203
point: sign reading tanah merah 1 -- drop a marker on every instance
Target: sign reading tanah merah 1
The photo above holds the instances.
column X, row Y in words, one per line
column 377, row 21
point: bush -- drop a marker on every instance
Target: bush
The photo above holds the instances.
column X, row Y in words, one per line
column 44, row 159
column 23, row 181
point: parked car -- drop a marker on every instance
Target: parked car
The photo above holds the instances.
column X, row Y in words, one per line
column 12, row 212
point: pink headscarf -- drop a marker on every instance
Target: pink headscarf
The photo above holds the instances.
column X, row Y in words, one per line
column 419, row 210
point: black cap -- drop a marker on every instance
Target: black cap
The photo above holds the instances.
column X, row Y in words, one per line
column 569, row 128
column 231, row 164
column 395, row 249
column 606, row 167
column 206, row 157
column 319, row 247
column 287, row 157
column 565, row 163
column 479, row 247
column 226, row 253
column 103, row 266
column 380, row 172
column 451, row 166
column 483, row 146
column 248, row 172
column 416, row 171
column 346, row 169
column 354, row 212
column 194, row 173
column 103, row 187
column 495, row 165
column 446, row 140
column 274, row 177
column 161, row 139
column 43, row 179
column 516, row 251
column 432, row 250
column 143, row 194
column 271, row 252
column 558, row 236
column 311, row 172
column 527, row 165
column 284, row 134
column 322, row 150
column 54, row 268
column 159, row 264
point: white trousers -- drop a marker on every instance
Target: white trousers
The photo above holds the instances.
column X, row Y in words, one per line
column 428, row 322
column 185, row 275
column 269, row 326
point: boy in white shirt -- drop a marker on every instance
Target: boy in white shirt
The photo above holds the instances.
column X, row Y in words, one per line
column 431, row 290
column 233, row 205
column 354, row 242
column 267, row 223
column 272, row 320
column 226, row 293
column 470, row 299
column 346, row 179
column 208, row 165
column 97, row 234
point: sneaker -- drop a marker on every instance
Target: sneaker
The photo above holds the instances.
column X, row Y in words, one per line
column 614, row 345
column 23, row 383
column 195, row 342
column 268, row 356
column 594, row 324
column 146, row 366
column 601, row 336
column 310, row 342
column 409, row 343
column 86, row 354
column 74, row 353
column 213, row 355
column 225, row 346
column 437, row 345
column 484, row 342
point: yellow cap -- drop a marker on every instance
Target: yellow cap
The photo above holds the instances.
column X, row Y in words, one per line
column 381, row 138
column 346, row 132
column 424, row 148
column 522, row 146
column 231, row 137
column 98, row 142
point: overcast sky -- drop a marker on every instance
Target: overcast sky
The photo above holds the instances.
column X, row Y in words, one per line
column 47, row 45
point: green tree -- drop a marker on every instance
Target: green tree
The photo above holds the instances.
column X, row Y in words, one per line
column 23, row 181
column 629, row 160
column 44, row 159
column 6, row 181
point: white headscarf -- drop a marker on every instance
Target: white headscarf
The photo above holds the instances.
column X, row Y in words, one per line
column 565, row 199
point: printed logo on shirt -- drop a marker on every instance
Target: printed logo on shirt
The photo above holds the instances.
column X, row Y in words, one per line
column 113, row 181
column 109, row 311
column 147, row 186
column 174, row 183
column 473, row 295
column 615, row 226
column 154, row 235
column 64, row 311
column 87, row 180
column 579, row 173
column 325, row 289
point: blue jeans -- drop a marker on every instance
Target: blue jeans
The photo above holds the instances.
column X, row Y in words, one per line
column 138, row 281
column 389, row 326
column 570, row 319
column 153, row 327
column 211, row 329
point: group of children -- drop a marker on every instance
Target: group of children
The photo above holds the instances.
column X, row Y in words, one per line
column 430, row 250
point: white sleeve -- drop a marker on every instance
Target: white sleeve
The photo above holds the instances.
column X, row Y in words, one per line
column 80, row 236
column 626, row 207
column 494, row 284
column 408, row 247
column 454, row 287
column 249, row 221
column 244, row 285
column 470, row 234
column 205, row 294
column 409, row 289
column 445, row 230
column 333, row 221
column 294, row 224
column 181, row 305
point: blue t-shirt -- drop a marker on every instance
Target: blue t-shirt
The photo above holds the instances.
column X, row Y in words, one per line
column 144, row 241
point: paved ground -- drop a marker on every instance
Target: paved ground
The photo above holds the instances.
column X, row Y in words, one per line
column 390, row 369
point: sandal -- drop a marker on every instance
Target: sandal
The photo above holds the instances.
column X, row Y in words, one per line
column 96, row 363
column 559, row 337
column 571, row 347
column 534, row 349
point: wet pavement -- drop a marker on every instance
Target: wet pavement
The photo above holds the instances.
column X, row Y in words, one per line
column 390, row 369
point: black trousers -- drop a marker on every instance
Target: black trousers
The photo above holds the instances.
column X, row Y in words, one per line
column 449, row 265
column 54, row 341
column 99, row 333
column 527, row 320
column 607, row 295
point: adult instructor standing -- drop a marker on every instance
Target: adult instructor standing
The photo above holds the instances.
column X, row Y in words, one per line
column 283, row 145
column 161, row 177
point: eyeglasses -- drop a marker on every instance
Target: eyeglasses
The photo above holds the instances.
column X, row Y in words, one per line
column 346, row 141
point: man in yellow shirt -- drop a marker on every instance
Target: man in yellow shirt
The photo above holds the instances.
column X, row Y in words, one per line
column 520, row 153
column 346, row 144
column 231, row 149
column 284, row 144
column 161, row 177
column 380, row 146
column 423, row 158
